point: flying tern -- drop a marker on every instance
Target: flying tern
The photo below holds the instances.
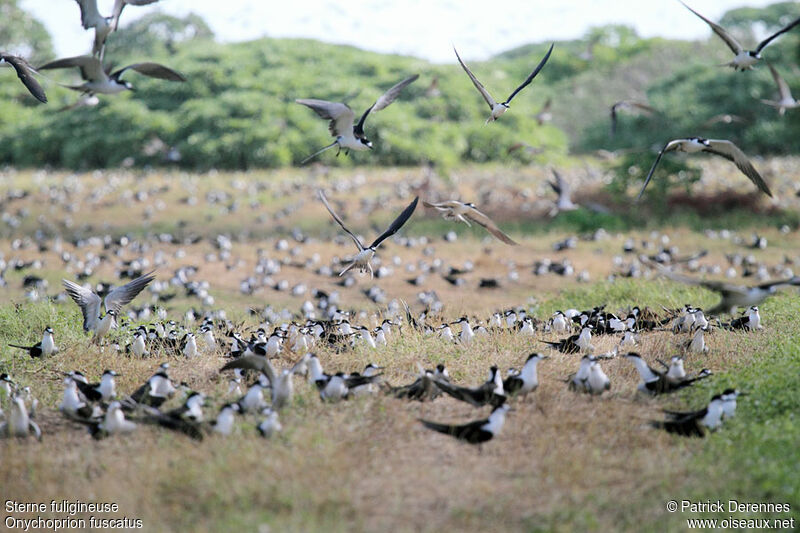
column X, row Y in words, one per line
column 362, row 259
column 349, row 137
column 719, row 147
column 745, row 59
column 464, row 212
column 498, row 109
column 99, row 80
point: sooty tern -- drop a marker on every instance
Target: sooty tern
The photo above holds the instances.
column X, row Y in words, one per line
column 720, row 147
column 693, row 423
column 25, row 74
column 90, row 302
column 476, row 432
column 745, row 59
column 349, row 137
column 18, row 422
column 564, row 191
column 656, row 382
column 98, row 80
column 786, row 101
column 362, row 259
column 527, row 380
column 733, row 296
column 491, row 392
column 43, row 348
column 500, row 108
column 627, row 105
column 103, row 26
column 464, row 212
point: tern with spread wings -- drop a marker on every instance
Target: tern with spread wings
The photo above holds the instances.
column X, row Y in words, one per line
column 103, row 26
column 629, row 105
column 98, row 80
column 733, row 296
column 786, row 101
column 362, row 259
column 90, row 302
column 745, row 59
column 349, row 137
column 464, row 212
column 720, row 147
column 25, row 74
column 501, row 107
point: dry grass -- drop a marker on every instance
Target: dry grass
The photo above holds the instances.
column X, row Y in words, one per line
column 563, row 461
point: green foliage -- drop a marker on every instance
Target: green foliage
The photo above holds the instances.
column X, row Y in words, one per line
column 23, row 35
column 157, row 34
column 237, row 110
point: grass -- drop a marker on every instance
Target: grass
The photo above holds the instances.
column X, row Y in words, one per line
column 563, row 462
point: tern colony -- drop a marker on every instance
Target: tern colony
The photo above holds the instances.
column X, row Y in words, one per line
column 105, row 412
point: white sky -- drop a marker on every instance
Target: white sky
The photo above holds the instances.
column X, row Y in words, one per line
column 423, row 28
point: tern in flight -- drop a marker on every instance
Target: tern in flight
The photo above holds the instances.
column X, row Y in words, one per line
column 364, row 256
column 630, row 105
column 500, row 108
column 25, row 74
column 103, row 26
column 720, row 147
column 90, row 302
column 745, row 59
column 349, row 137
column 733, row 296
column 464, row 212
column 786, row 101
column 99, row 80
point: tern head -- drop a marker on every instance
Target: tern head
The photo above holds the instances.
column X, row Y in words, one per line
column 48, row 329
column 754, row 54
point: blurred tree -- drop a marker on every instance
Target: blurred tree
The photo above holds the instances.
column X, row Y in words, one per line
column 22, row 34
column 770, row 19
column 156, row 34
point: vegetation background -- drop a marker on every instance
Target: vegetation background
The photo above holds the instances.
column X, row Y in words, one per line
column 237, row 110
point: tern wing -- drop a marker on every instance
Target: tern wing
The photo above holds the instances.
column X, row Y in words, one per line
column 119, row 5
column 87, row 300
column 457, row 431
column 397, row 224
column 25, row 74
column 783, row 30
column 339, row 220
column 478, row 217
column 385, row 99
column 730, row 151
column 667, row 147
column 720, row 287
column 253, row 362
column 124, row 294
column 91, row 68
column 153, row 70
column 442, row 206
column 340, row 115
column 783, row 87
column 532, row 75
column 89, row 12
column 732, row 43
column 478, row 85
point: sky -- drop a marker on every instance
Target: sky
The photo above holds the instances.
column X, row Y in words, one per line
column 422, row 28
